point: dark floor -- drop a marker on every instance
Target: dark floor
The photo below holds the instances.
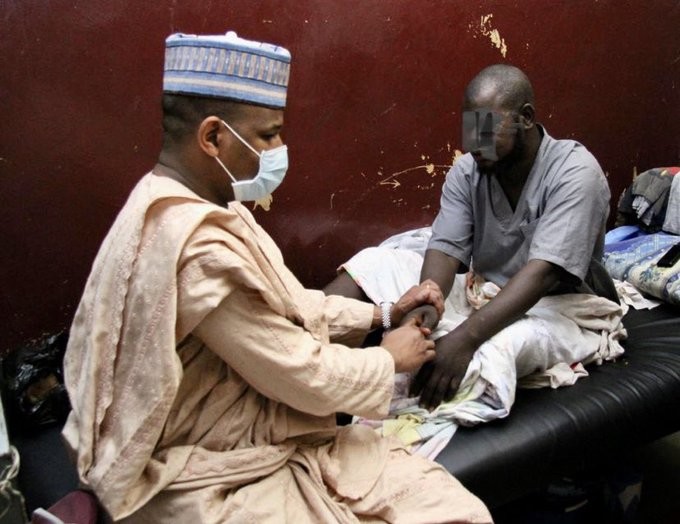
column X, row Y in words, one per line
column 644, row 488
column 660, row 501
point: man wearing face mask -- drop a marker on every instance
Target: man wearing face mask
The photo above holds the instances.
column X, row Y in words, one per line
column 526, row 211
column 204, row 377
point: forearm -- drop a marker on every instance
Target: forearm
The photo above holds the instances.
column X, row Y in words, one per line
column 455, row 350
column 349, row 320
column 441, row 268
column 286, row 363
column 519, row 295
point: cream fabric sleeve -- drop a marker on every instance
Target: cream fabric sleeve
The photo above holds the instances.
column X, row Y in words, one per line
column 286, row 363
column 349, row 320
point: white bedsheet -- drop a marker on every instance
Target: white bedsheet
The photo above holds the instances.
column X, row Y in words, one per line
column 546, row 347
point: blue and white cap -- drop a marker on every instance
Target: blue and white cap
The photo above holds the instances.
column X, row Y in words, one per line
column 226, row 66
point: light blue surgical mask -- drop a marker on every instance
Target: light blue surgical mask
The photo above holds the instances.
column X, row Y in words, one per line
column 271, row 172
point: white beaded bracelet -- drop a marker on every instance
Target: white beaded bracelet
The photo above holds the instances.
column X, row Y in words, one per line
column 386, row 310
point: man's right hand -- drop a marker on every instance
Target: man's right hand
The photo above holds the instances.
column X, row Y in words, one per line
column 426, row 293
column 408, row 346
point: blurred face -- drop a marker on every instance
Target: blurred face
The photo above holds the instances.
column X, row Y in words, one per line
column 492, row 135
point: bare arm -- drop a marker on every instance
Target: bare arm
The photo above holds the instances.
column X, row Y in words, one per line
column 440, row 379
column 440, row 269
column 425, row 293
column 519, row 295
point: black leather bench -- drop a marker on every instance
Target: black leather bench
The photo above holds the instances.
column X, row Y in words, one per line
column 562, row 432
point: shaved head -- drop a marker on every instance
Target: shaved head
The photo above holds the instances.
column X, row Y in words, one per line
column 502, row 86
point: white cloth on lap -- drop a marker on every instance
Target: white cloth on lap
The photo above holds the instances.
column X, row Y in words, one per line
column 545, row 345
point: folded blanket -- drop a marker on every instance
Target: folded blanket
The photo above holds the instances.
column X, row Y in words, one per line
column 546, row 346
column 635, row 261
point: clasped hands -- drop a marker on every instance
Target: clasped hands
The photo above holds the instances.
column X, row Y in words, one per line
column 408, row 344
column 442, row 363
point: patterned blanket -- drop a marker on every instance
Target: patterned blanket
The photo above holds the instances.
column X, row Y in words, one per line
column 634, row 260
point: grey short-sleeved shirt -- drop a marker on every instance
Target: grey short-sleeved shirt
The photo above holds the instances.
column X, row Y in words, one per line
column 560, row 216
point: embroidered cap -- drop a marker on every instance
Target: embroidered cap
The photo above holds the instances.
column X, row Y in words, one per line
column 226, row 66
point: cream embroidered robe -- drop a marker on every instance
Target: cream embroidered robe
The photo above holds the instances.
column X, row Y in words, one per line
column 204, row 381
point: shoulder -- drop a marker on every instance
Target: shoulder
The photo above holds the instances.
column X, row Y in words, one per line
column 463, row 170
column 570, row 163
column 464, row 164
column 174, row 218
column 566, row 154
column 220, row 227
column 234, row 232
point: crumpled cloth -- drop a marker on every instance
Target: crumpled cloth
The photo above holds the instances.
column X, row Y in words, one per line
column 631, row 296
column 548, row 346
column 647, row 200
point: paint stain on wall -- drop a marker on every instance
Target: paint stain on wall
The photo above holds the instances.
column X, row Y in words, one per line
column 428, row 167
column 485, row 29
column 265, row 203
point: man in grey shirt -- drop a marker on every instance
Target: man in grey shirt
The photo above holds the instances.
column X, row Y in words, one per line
column 525, row 211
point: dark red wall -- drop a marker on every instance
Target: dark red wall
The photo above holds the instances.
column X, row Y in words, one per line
column 374, row 98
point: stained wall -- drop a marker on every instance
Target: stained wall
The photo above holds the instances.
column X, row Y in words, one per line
column 372, row 123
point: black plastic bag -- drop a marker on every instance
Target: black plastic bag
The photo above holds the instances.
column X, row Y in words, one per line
column 34, row 395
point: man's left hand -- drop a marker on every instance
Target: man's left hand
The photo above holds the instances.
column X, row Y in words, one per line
column 440, row 379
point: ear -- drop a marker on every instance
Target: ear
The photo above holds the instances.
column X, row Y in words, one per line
column 527, row 115
column 209, row 135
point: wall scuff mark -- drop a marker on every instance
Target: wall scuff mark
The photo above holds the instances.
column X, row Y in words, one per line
column 429, row 168
column 265, row 203
column 487, row 30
